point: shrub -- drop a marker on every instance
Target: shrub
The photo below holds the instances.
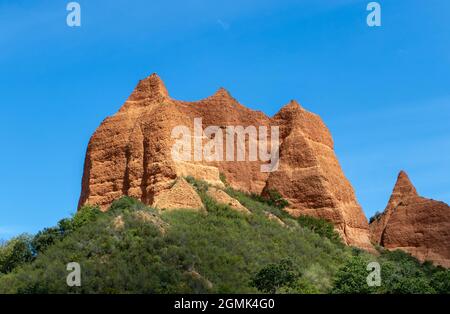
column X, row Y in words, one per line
column 275, row 276
column 400, row 274
column 271, row 197
column 84, row 215
column 440, row 281
column 402, row 257
column 223, row 178
column 274, row 198
column 123, row 204
column 200, row 185
column 249, row 201
column 300, row 286
column 403, row 278
column 320, row 226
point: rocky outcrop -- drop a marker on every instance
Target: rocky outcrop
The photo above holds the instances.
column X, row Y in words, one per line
column 180, row 196
column 223, row 198
column 118, row 222
column 403, row 190
column 131, row 154
column 274, row 218
column 310, row 176
column 415, row 224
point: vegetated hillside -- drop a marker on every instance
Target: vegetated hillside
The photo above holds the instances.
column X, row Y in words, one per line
column 135, row 249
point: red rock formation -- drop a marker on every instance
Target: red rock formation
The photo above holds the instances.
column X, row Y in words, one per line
column 310, row 177
column 130, row 154
column 414, row 224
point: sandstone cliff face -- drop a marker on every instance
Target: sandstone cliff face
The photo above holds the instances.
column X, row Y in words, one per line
column 414, row 224
column 310, row 176
column 130, row 154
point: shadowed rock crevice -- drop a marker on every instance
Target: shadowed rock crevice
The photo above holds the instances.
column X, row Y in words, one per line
column 127, row 179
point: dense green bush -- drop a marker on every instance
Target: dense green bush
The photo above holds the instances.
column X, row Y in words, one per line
column 15, row 253
column 275, row 276
column 45, row 238
column 352, row 277
column 440, row 281
column 123, row 204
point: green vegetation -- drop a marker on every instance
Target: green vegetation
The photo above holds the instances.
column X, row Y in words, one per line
column 400, row 274
column 278, row 277
column 275, row 276
column 223, row 178
column 321, row 227
column 256, row 203
column 49, row 236
column 132, row 248
column 271, row 197
column 274, row 198
column 16, row 252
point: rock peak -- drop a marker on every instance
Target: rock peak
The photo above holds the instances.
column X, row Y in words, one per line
column 414, row 224
column 404, row 187
column 288, row 111
column 223, row 93
column 151, row 87
column 292, row 105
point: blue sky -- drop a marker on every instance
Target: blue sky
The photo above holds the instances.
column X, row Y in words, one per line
column 383, row 92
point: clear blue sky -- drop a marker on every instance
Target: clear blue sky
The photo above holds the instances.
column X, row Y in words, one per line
column 383, row 92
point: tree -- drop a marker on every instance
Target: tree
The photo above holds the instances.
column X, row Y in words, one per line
column 352, row 277
column 275, row 276
column 45, row 238
column 14, row 253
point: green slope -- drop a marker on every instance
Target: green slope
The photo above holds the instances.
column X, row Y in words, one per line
column 136, row 249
